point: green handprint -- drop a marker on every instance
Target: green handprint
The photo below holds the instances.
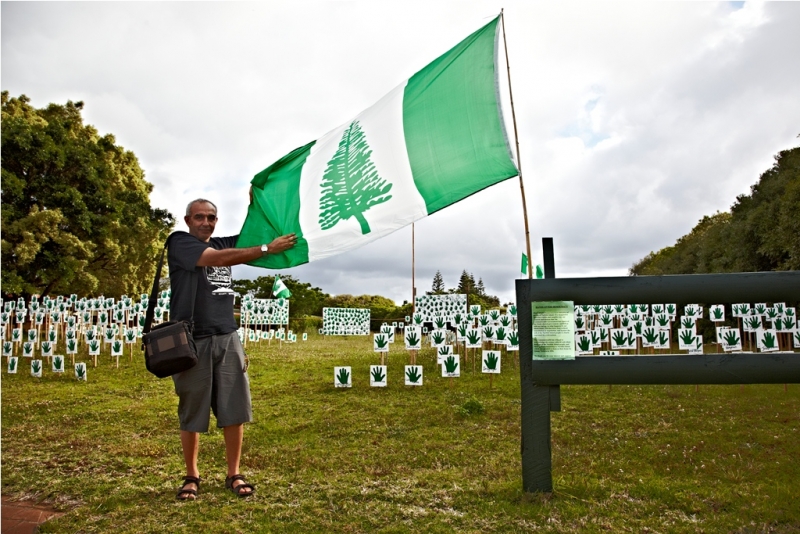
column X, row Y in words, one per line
column 579, row 323
column 36, row 366
column 483, row 320
column 381, row 341
column 657, row 309
column 717, row 313
column 12, row 364
column 377, row 374
column 513, row 338
column 80, row 371
column 473, row 337
column 584, row 343
column 608, row 310
column 494, row 314
column 789, row 312
column 754, row 322
column 797, row 338
column 761, row 309
column 488, row 332
column 71, row 344
column 7, row 347
column 650, row 335
column 475, row 310
column 625, row 322
column 779, row 307
column 117, row 346
column 671, row 309
column 412, row 340
column 413, row 375
column 788, row 323
column 343, row 376
column 687, row 322
column 505, row 320
column 687, row 337
column 512, row 310
column 618, row 308
column 620, row 338
column 90, row 335
column 596, row 337
column 462, row 330
column 631, row 339
column 500, row 334
column 438, row 338
column 633, row 308
column 57, row 362
column 94, row 345
column 491, row 361
column 51, row 336
column 439, row 322
column 46, row 347
column 605, row 319
column 769, row 340
column 450, row 365
column 772, row 313
column 27, row 348
column 457, row 318
column 663, row 338
column 731, row 337
column 603, row 335
column 663, row 320
column 689, row 311
column 444, row 350
column 637, row 327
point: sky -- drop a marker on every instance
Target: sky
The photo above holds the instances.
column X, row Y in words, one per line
column 635, row 119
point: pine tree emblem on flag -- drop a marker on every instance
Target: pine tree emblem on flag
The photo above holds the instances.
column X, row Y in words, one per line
column 280, row 290
column 437, row 138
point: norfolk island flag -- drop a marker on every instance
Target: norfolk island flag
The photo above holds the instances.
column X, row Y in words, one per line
column 436, row 139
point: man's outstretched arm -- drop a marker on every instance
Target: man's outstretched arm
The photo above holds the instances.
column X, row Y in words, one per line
column 235, row 256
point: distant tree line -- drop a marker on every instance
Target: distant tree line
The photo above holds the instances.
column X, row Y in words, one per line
column 760, row 233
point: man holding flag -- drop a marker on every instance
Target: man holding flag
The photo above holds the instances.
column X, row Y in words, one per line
column 200, row 278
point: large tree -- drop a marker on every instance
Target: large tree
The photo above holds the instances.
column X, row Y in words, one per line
column 76, row 209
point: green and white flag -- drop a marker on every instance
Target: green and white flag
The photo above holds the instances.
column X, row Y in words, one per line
column 280, row 290
column 436, row 139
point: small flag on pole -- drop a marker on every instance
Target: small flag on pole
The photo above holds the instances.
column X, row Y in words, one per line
column 539, row 272
column 524, row 266
column 280, row 290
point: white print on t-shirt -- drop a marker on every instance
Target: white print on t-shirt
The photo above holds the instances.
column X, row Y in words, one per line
column 220, row 278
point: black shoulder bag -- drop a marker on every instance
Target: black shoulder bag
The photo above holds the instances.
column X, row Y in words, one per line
column 169, row 347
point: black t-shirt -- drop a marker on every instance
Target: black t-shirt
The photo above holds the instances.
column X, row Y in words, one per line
column 213, row 309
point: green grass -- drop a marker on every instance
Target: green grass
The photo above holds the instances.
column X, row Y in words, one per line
column 439, row 458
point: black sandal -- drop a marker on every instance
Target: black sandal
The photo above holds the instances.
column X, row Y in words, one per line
column 188, row 494
column 238, row 489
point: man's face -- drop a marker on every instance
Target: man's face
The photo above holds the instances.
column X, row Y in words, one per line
column 201, row 220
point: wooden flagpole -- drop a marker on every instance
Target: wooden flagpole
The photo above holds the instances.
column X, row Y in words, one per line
column 519, row 160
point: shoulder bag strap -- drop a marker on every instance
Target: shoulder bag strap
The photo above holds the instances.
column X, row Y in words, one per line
column 151, row 305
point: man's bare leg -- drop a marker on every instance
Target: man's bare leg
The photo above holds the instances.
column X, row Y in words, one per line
column 190, row 443
column 233, row 451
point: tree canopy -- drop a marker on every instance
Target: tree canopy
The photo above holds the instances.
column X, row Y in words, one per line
column 76, row 209
column 760, row 233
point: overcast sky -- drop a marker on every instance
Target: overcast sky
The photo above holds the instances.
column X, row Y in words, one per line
column 635, row 119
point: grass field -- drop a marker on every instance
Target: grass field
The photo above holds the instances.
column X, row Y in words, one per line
column 438, row 458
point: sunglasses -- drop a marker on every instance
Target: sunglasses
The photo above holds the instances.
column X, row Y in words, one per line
column 199, row 217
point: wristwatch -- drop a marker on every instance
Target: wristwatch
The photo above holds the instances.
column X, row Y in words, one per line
column 264, row 249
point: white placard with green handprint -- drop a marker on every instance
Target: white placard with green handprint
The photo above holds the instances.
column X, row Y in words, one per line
column 732, row 340
column 377, row 376
column 474, row 340
column 116, row 347
column 512, row 343
column 80, row 371
column 796, row 338
column 687, row 339
column 767, row 340
column 583, row 343
column 94, row 348
column 72, row 346
column 12, row 365
column 716, row 312
column 412, row 338
column 36, row 368
column 58, row 363
column 451, row 366
column 752, row 323
column 619, row 338
column 47, row 348
column 720, row 331
column 8, row 348
column 413, row 375
column 342, row 377
column 27, row 349
column 380, row 342
column 490, row 362
column 437, row 337
column 663, row 340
